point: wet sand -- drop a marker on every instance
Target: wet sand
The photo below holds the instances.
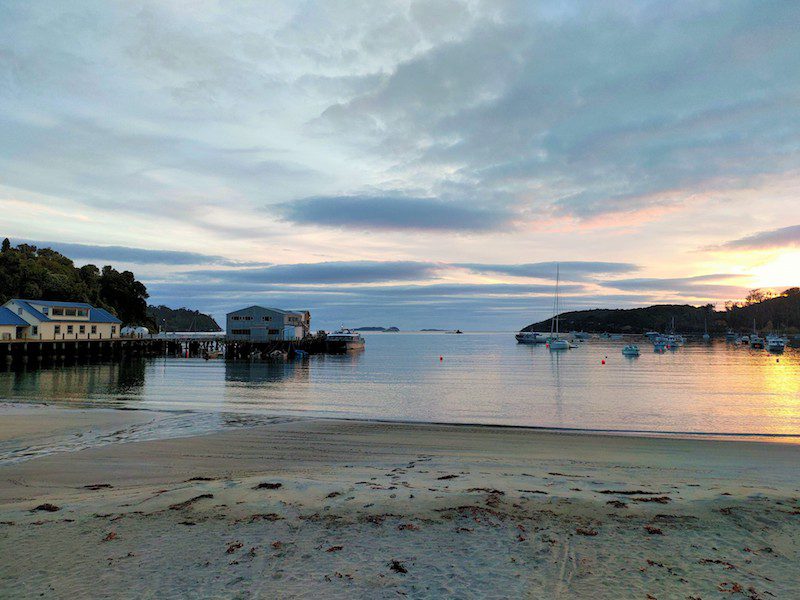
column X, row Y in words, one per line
column 315, row 508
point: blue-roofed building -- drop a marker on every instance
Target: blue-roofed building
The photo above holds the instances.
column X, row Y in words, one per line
column 57, row 320
column 261, row 324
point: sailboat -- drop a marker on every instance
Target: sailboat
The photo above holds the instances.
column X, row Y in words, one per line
column 706, row 337
column 555, row 343
column 756, row 341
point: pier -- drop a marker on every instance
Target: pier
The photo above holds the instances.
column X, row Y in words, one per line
column 31, row 351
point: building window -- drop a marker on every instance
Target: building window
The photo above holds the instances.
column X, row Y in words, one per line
column 45, row 310
column 19, row 311
column 266, row 318
column 35, row 330
column 57, row 330
column 273, row 332
column 69, row 328
column 240, row 332
column 82, row 329
column 70, row 312
column 81, row 312
column 58, row 311
column 94, row 329
column 113, row 329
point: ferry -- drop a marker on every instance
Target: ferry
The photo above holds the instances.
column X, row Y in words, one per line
column 345, row 340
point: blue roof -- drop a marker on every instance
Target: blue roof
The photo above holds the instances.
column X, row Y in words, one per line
column 58, row 303
column 7, row 317
column 30, row 309
column 99, row 315
column 96, row 315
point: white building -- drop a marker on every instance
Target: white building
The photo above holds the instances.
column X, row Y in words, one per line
column 56, row 320
column 260, row 324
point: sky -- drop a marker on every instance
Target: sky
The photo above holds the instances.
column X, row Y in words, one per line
column 417, row 164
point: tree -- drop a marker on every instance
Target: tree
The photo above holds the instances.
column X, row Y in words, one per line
column 44, row 274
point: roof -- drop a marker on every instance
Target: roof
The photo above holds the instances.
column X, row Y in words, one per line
column 59, row 303
column 96, row 315
column 99, row 315
column 277, row 310
column 7, row 317
column 25, row 304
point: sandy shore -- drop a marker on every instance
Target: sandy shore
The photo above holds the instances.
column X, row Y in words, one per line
column 318, row 508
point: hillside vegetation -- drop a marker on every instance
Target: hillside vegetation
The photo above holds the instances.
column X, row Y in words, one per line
column 181, row 319
column 44, row 274
column 770, row 313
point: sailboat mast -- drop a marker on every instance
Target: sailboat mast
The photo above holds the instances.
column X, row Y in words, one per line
column 557, row 281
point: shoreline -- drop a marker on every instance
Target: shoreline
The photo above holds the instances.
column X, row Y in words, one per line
column 316, row 507
column 119, row 425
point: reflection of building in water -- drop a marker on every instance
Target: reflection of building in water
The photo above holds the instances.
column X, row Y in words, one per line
column 259, row 372
column 75, row 383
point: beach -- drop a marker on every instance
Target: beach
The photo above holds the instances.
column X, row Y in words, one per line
column 333, row 508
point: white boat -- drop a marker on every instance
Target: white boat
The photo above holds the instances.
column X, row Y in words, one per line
column 651, row 335
column 616, row 336
column 744, row 340
column 631, row 350
column 554, row 342
column 580, row 335
column 730, row 336
column 675, row 340
column 776, row 343
column 559, row 344
column 344, row 340
column 530, row 337
column 706, row 336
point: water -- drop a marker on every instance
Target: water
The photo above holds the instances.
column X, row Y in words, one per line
column 484, row 378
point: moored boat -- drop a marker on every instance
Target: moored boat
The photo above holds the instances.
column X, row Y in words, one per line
column 776, row 343
column 631, row 350
column 530, row 337
column 345, row 340
column 554, row 342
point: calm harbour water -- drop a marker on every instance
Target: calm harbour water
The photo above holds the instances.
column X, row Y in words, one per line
column 484, row 378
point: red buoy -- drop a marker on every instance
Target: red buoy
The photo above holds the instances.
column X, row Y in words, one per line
column 602, row 362
column 441, row 358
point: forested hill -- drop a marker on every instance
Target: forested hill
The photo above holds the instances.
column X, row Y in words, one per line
column 181, row 319
column 779, row 313
column 44, row 274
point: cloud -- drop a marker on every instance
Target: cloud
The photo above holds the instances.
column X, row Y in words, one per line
column 394, row 212
column 324, row 272
column 580, row 112
column 126, row 254
column 693, row 287
column 784, row 237
column 569, row 270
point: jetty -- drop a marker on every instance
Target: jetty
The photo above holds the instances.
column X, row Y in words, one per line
column 31, row 351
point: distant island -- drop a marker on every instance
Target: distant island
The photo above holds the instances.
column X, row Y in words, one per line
column 770, row 313
column 181, row 319
column 383, row 329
